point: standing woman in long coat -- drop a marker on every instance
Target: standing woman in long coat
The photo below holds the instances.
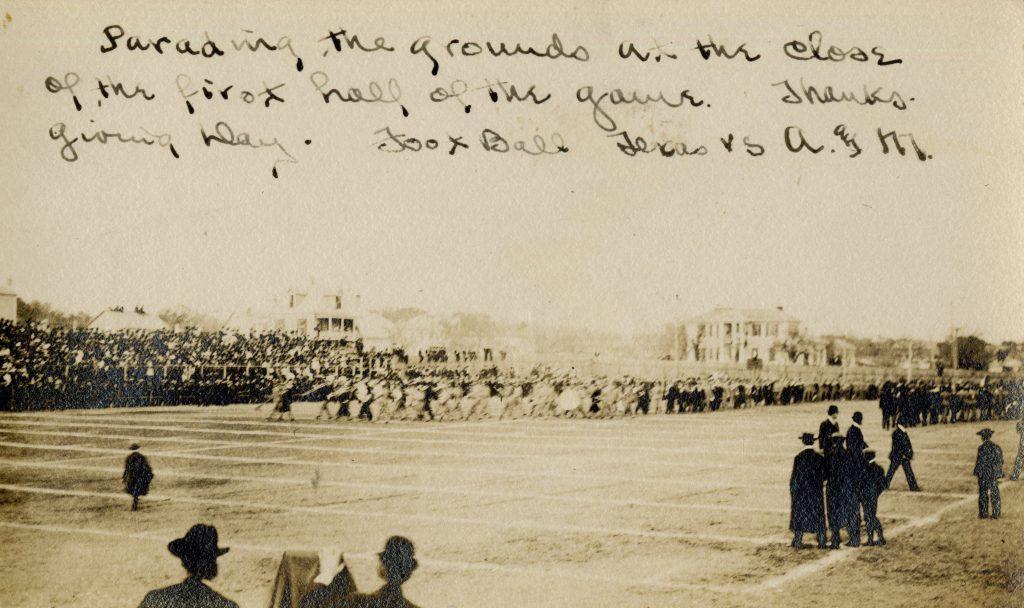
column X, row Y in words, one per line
column 807, row 499
column 137, row 475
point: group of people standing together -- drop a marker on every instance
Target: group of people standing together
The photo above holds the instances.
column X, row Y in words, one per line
column 925, row 402
column 830, row 489
column 837, row 488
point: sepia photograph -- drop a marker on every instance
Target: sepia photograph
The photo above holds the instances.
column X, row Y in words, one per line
column 339, row 304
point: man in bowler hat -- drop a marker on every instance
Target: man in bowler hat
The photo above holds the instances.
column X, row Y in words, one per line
column 827, row 428
column 198, row 552
column 855, row 436
column 807, row 498
column 137, row 475
column 988, row 468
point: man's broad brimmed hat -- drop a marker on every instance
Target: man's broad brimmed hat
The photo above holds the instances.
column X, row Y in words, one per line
column 833, row 409
column 199, row 542
column 133, row 447
column 986, row 433
column 807, row 438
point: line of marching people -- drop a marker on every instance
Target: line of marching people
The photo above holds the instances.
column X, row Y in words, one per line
column 440, row 395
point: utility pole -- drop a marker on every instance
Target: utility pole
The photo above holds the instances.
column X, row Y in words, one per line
column 955, row 348
column 910, row 359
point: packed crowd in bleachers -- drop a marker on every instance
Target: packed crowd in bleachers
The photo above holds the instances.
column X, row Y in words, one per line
column 54, row 367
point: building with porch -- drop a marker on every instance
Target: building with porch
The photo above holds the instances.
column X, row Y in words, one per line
column 311, row 311
column 739, row 335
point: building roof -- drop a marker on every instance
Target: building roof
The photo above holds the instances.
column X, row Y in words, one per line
column 724, row 314
column 115, row 320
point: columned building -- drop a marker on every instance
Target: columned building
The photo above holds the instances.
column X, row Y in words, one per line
column 738, row 335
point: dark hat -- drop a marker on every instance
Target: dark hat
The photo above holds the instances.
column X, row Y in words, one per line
column 133, row 447
column 398, row 551
column 869, row 455
column 200, row 542
column 858, row 417
column 833, row 409
column 986, row 433
column 807, row 438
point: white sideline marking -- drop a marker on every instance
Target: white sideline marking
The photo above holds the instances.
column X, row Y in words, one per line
column 405, row 517
column 776, row 583
column 441, row 566
column 617, row 446
column 654, row 427
column 379, row 450
column 501, row 453
column 422, row 489
column 683, row 483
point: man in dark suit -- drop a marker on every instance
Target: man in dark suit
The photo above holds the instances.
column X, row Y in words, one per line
column 137, row 475
column 855, row 436
column 807, row 499
column 672, row 397
column 827, row 428
column 900, row 455
column 988, row 468
column 871, row 486
column 1018, row 464
column 887, row 402
column 842, row 474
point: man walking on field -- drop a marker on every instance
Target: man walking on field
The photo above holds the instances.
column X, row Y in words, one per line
column 900, row 455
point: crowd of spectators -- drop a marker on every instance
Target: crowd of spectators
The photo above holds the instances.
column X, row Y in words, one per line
column 55, row 367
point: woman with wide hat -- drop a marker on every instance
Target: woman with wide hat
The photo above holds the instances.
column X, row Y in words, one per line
column 198, row 551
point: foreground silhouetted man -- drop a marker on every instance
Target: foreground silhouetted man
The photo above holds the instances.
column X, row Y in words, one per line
column 807, row 498
column 397, row 564
column 198, row 552
column 137, row 475
column 988, row 468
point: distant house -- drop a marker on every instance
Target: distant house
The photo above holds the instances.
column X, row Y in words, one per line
column 313, row 312
column 738, row 335
column 117, row 319
column 8, row 303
